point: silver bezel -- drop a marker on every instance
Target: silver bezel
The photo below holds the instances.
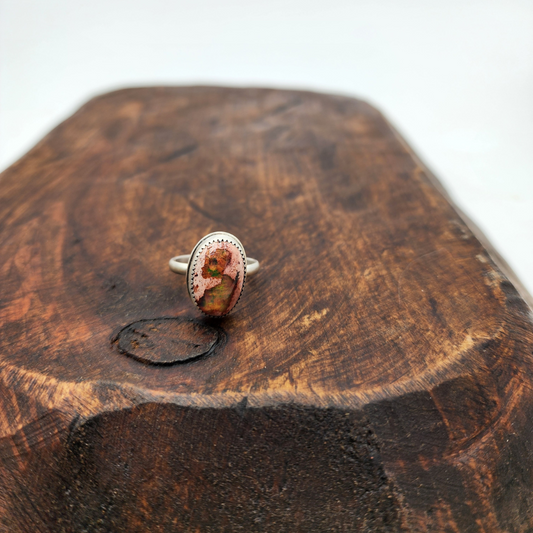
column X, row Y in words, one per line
column 217, row 236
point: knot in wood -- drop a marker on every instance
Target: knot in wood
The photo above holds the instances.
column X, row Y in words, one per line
column 167, row 341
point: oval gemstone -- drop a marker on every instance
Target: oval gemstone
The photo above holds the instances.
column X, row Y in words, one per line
column 218, row 278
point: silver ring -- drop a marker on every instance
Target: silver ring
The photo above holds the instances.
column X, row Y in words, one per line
column 216, row 271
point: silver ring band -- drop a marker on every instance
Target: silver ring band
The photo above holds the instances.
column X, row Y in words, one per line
column 180, row 263
column 215, row 272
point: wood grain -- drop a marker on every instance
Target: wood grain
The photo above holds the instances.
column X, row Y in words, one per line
column 375, row 376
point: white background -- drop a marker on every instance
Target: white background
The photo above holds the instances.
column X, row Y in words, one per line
column 455, row 77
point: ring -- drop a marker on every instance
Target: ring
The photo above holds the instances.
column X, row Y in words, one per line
column 216, row 270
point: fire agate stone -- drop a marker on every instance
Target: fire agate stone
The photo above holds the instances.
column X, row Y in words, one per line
column 218, row 278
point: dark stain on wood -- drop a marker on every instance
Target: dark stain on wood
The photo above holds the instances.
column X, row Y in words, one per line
column 170, row 480
column 167, row 341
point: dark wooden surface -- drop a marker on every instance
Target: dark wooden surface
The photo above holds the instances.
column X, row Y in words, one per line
column 375, row 376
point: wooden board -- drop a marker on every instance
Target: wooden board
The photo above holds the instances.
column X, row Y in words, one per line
column 375, row 376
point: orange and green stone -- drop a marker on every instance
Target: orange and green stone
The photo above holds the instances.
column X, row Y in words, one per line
column 215, row 263
column 216, row 301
